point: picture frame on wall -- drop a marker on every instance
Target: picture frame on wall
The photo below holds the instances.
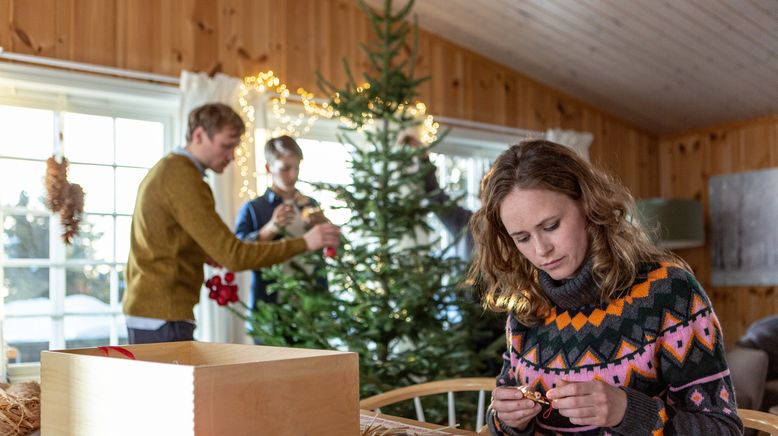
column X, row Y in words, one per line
column 743, row 230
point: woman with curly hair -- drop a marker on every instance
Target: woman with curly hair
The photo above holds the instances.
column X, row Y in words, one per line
column 613, row 333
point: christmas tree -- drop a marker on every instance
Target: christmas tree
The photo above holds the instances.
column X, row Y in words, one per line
column 390, row 294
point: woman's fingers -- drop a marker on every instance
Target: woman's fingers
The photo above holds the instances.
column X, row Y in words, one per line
column 512, row 408
column 589, row 403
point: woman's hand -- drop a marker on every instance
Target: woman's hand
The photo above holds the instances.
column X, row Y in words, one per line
column 589, row 403
column 512, row 408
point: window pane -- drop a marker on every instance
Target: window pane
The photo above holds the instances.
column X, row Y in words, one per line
column 26, row 236
column 123, row 238
column 26, row 283
column 29, row 336
column 451, row 172
column 98, row 186
column 88, row 138
column 324, row 161
column 122, row 281
column 85, row 304
column 87, row 331
column 139, row 143
column 95, row 239
column 89, row 281
column 26, row 132
column 22, row 184
column 127, row 181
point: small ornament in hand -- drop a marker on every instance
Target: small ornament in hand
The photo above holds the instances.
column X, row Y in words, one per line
column 223, row 290
column 536, row 397
column 532, row 395
column 313, row 215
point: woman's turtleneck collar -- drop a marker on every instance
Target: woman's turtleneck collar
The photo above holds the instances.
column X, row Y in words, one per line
column 571, row 293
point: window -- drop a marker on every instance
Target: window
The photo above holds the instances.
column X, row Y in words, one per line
column 461, row 159
column 60, row 296
column 325, row 162
column 459, row 176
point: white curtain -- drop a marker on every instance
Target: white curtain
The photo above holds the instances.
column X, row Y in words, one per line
column 214, row 323
column 578, row 141
column 3, row 357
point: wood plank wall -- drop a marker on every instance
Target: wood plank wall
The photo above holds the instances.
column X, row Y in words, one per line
column 687, row 161
column 294, row 38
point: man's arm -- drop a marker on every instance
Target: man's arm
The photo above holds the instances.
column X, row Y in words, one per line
column 191, row 203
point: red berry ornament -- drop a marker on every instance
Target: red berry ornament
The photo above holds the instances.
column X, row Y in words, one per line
column 330, row 251
column 224, row 291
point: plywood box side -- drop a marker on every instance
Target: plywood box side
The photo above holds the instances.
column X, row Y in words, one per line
column 204, row 353
column 96, row 396
column 318, row 395
column 167, row 352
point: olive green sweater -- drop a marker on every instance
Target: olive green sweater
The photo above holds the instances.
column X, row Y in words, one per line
column 175, row 227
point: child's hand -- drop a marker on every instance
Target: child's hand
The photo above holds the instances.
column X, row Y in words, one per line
column 312, row 215
column 409, row 138
column 282, row 215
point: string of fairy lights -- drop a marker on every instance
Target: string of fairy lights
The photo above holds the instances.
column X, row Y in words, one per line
column 253, row 87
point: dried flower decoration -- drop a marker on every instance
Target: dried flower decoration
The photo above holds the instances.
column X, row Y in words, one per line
column 64, row 198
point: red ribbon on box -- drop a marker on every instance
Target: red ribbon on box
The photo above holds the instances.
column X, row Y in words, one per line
column 127, row 353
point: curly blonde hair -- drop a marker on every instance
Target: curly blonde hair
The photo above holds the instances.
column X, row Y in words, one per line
column 617, row 243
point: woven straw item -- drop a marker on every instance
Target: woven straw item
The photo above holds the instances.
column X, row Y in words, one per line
column 20, row 408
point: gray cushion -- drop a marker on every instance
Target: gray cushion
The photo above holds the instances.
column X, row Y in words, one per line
column 748, row 367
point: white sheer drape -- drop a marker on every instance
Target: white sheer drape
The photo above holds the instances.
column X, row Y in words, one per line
column 3, row 357
column 214, row 323
column 578, row 141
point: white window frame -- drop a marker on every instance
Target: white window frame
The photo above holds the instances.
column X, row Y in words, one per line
column 66, row 91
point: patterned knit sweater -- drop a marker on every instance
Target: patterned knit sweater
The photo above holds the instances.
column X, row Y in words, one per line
column 661, row 342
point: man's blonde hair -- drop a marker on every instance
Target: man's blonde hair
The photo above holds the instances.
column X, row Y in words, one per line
column 282, row 146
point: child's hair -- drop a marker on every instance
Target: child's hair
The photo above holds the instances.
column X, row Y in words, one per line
column 281, row 146
column 617, row 242
column 213, row 117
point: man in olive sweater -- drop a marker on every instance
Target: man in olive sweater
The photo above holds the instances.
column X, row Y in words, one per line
column 175, row 230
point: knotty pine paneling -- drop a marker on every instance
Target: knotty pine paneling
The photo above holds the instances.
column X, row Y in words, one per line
column 295, row 38
column 687, row 161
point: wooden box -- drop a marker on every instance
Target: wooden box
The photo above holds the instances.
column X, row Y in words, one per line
column 199, row 388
